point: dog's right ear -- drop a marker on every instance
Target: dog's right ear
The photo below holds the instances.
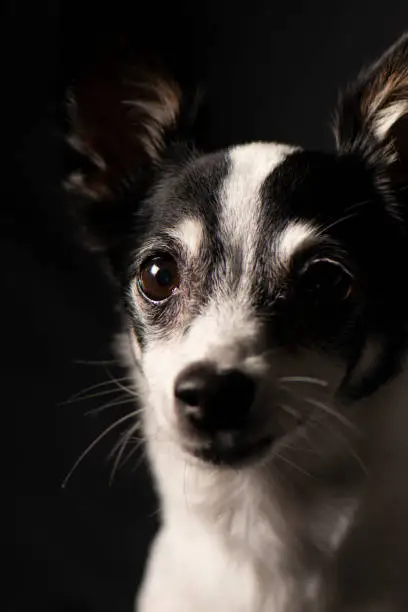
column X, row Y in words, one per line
column 119, row 117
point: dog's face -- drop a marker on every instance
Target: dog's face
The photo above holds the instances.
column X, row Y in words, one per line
column 252, row 296
column 263, row 291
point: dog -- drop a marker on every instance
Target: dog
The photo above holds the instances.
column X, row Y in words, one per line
column 266, row 313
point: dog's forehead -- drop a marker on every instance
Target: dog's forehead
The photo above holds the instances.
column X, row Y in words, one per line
column 227, row 183
column 242, row 190
column 257, row 194
column 226, row 195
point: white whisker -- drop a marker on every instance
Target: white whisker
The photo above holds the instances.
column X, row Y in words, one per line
column 335, row 433
column 93, row 444
column 293, row 465
column 118, row 382
column 358, row 205
column 97, row 362
column 303, row 379
column 338, row 222
column 80, row 394
column 329, row 410
column 95, row 395
column 292, row 411
column 120, row 447
column 118, row 401
column 139, row 444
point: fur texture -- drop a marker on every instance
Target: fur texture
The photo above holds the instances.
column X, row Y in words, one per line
column 284, row 272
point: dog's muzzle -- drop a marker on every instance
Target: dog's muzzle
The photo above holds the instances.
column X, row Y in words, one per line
column 216, row 409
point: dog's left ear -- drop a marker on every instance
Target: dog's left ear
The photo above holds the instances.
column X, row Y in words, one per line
column 372, row 116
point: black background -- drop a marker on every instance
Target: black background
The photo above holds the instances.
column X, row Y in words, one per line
column 272, row 70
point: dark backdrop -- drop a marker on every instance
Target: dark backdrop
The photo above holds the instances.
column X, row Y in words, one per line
column 272, row 71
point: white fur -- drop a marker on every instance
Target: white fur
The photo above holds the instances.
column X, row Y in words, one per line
column 190, row 234
column 227, row 558
column 291, row 239
column 251, row 164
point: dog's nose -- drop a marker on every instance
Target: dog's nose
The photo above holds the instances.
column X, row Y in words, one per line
column 212, row 401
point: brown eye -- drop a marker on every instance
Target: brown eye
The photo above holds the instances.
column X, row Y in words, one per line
column 325, row 281
column 158, row 278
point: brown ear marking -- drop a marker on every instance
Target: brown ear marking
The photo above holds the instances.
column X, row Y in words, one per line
column 373, row 110
column 119, row 117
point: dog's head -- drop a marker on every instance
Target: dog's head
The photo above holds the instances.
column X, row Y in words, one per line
column 265, row 284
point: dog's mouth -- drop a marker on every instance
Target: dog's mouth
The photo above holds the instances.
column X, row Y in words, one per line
column 229, row 452
column 237, row 449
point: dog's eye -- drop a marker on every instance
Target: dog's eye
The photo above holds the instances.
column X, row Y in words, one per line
column 158, row 278
column 325, row 281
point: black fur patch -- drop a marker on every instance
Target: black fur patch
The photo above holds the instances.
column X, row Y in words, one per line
column 341, row 196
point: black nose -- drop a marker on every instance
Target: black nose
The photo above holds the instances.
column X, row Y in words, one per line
column 212, row 401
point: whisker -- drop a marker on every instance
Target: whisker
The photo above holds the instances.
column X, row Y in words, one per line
column 337, row 222
column 135, row 449
column 94, row 395
column 293, row 465
column 79, row 395
column 118, row 401
column 345, row 443
column 118, row 382
column 358, row 205
column 93, row 444
column 292, row 411
column 97, row 362
column 303, row 379
column 354, row 454
column 139, row 444
column 329, row 410
column 293, row 446
column 120, row 447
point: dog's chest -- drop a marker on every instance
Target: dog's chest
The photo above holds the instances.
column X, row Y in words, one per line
column 244, row 561
column 232, row 542
column 200, row 571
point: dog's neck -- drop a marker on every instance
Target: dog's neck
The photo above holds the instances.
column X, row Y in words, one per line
column 255, row 507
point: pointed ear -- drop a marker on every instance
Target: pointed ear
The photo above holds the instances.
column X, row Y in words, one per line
column 372, row 115
column 119, row 117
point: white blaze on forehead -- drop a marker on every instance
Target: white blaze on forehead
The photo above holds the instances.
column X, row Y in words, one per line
column 250, row 166
column 190, row 234
column 292, row 238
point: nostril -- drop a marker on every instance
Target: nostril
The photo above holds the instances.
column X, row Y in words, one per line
column 190, row 397
column 192, row 385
